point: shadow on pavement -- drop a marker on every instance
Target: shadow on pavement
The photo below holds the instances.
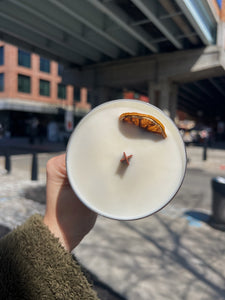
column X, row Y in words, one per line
column 183, row 255
column 104, row 291
column 37, row 194
column 197, row 216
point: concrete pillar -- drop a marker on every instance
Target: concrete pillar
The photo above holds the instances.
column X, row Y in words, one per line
column 153, row 93
column 165, row 97
column 163, row 94
column 159, row 94
column 221, row 33
column 103, row 94
column 173, row 100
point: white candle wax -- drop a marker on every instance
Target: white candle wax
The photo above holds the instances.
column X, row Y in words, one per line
column 111, row 187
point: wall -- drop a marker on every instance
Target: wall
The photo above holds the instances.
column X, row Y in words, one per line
column 11, row 69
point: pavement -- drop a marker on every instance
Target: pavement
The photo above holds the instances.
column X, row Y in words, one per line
column 174, row 254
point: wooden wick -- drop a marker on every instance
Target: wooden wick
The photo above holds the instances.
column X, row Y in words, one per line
column 126, row 158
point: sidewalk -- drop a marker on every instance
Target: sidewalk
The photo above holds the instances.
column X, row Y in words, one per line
column 171, row 255
column 215, row 162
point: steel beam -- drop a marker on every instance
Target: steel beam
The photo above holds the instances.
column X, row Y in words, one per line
column 202, row 101
column 15, row 29
column 198, row 19
column 124, row 21
column 150, row 9
column 177, row 66
column 182, row 104
column 193, row 106
column 179, row 20
column 88, row 44
column 219, row 88
column 92, row 23
column 14, row 17
column 203, row 90
column 191, row 92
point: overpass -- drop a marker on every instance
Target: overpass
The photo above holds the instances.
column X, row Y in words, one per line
column 170, row 50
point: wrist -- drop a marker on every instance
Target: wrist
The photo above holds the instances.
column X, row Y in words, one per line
column 55, row 230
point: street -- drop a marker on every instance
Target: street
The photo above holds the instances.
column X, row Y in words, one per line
column 174, row 254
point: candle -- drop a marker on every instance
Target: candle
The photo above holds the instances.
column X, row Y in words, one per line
column 120, row 170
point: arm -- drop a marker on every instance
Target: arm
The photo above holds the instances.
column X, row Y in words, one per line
column 67, row 218
column 34, row 258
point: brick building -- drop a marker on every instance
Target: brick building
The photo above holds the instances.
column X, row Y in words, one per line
column 31, row 87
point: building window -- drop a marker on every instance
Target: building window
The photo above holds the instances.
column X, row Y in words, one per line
column 44, row 65
column 1, row 82
column 44, row 88
column 24, row 58
column 61, row 91
column 23, row 83
column 76, row 93
column 60, row 69
column 1, row 56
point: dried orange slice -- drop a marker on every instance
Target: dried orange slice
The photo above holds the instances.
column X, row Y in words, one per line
column 147, row 122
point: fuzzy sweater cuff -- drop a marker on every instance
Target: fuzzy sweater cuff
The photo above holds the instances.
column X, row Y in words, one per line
column 34, row 265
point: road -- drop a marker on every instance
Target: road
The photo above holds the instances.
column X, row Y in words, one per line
column 173, row 255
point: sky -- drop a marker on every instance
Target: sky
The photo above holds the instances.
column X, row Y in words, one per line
column 219, row 3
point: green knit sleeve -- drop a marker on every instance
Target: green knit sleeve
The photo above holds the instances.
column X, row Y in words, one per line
column 34, row 265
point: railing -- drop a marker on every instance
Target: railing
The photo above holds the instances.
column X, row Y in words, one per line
column 34, row 165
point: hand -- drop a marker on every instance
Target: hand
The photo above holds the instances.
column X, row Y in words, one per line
column 66, row 216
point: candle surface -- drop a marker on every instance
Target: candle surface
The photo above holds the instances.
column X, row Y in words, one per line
column 113, row 188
